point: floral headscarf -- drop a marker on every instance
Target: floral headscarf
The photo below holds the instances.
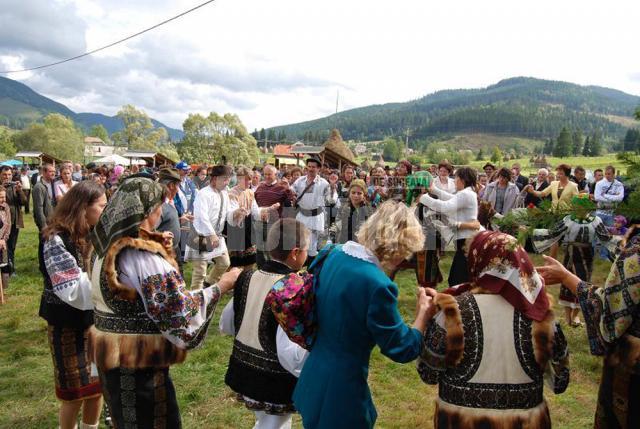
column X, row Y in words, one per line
column 497, row 263
column 128, row 207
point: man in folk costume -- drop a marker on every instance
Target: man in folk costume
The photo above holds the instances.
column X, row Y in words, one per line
column 494, row 343
column 145, row 318
column 206, row 243
column 314, row 194
column 265, row 363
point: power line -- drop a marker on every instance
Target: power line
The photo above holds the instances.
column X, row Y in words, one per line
column 110, row 44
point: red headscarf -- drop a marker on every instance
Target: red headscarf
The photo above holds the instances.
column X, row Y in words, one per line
column 500, row 265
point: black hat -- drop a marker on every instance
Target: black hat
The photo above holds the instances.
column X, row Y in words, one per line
column 315, row 159
column 488, row 164
column 91, row 166
column 169, row 175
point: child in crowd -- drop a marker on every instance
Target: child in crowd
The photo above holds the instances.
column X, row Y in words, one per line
column 354, row 213
column 264, row 363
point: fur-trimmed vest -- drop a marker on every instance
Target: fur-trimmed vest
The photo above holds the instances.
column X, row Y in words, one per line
column 123, row 334
column 254, row 369
column 490, row 363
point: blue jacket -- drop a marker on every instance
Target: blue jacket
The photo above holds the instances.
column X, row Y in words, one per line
column 356, row 305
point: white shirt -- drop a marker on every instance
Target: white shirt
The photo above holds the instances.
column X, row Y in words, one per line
column 209, row 219
column 449, row 187
column 459, row 207
column 606, row 193
column 24, row 180
column 318, row 196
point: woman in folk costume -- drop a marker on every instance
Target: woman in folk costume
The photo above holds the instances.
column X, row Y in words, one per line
column 494, row 342
column 577, row 232
column 145, row 318
column 264, row 363
column 356, row 309
column 612, row 318
column 461, row 211
column 66, row 302
column 353, row 212
column 243, row 205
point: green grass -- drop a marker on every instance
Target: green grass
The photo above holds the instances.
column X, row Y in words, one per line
column 27, row 397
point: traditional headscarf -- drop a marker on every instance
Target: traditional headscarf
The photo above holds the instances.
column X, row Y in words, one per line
column 358, row 183
column 128, row 207
column 115, row 175
column 500, row 265
column 415, row 182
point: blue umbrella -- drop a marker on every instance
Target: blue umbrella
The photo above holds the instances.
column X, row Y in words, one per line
column 11, row 162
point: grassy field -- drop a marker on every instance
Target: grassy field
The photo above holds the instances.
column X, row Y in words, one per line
column 27, row 397
column 589, row 163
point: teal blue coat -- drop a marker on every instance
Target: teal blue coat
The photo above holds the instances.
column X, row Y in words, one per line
column 356, row 306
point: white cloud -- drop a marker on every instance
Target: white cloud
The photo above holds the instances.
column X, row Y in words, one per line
column 281, row 62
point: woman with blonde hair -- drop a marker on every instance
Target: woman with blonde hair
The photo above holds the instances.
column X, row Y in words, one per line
column 356, row 308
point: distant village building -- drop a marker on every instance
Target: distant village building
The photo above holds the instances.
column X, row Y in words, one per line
column 283, row 156
column 360, row 149
column 94, row 147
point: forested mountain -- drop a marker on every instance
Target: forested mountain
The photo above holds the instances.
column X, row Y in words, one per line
column 520, row 106
column 20, row 106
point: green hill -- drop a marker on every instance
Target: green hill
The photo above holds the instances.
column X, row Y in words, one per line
column 20, row 106
column 521, row 106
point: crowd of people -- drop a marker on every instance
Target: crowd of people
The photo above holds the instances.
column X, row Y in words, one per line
column 115, row 244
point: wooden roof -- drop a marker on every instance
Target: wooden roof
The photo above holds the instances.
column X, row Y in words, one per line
column 154, row 159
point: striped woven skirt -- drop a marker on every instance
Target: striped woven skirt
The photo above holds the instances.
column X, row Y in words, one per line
column 141, row 398
column 71, row 364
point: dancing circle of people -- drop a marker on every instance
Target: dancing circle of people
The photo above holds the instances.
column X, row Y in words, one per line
column 308, row 255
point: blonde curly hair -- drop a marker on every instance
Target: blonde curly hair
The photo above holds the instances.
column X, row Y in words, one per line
column 392, row 231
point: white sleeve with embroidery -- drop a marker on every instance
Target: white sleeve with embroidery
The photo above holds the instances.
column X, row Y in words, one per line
column 68, row 281
column 181, row 315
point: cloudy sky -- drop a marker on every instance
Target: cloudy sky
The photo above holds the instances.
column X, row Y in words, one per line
column 281, row 61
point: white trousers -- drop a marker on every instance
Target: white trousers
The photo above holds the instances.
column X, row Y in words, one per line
column 270, row 421
column 313, row 246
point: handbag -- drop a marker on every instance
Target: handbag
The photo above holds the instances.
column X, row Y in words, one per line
column 292, row 300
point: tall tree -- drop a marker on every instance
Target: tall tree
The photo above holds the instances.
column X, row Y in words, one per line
column 138, row 132
column 563, row 144
column 586, row 149
column 496, row 156
column 217, row 138
column 578, row 142
column 391, row 150
column 631, row 141
column 57, row 135
column 7, row 149
column 480, row 155
column 98, row 130
column 596, row 144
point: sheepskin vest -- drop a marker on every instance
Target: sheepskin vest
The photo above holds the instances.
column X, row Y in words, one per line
column 123, row 335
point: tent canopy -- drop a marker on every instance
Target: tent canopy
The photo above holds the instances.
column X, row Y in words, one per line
column 11, row 162
column 119, row 160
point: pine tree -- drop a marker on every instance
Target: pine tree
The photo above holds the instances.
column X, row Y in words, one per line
column 548, row 147
column 564, row 144
column 496, row 157
column 596, row 144
column 586, row 149
column 578, row 141
column 480, row 155
column 263, row 135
